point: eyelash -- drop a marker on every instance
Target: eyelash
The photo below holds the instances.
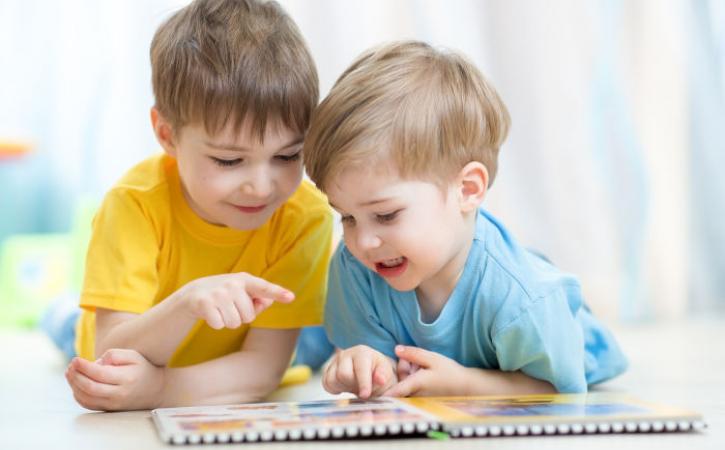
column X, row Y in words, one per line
column 226, row 162
column 289, row 158
column 381, row 218
column 387, row 218
column 233, row 162
column 350, row 220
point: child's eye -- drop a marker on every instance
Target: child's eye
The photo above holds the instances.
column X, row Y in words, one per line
column 347, row 220
column 226, row 162
column 288, row 158
column 386, row 218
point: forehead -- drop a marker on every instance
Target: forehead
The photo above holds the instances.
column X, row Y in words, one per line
column 367, row 178
column 361, row 186
column 243, row 134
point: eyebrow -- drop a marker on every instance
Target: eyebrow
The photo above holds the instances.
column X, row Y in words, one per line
column 243, row 149
column 370, row 203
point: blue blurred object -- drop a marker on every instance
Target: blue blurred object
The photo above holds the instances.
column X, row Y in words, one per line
column 59, row 322
column 313, row 348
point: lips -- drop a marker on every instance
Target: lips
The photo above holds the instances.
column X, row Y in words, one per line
column 250, row 209
column 391, row 267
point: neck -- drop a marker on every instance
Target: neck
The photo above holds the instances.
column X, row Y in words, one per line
column 434, row 292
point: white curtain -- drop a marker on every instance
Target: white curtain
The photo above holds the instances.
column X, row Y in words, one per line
column 603, row 169
column 611, row 168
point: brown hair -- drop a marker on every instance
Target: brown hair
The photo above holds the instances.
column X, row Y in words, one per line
column 427, row 111
column 216, row 62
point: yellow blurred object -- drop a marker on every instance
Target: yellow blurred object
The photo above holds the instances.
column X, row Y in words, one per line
column 13, row 149
column 296, row 375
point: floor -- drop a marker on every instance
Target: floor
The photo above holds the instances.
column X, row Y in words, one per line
column 678, row 363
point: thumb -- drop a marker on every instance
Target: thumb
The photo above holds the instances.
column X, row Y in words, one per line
column 403, row 369
column 416, row 355
column 379, row 377
column 119, row 357
column 406, row 388
column 260, row 304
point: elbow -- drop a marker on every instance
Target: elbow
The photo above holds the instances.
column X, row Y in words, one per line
column 265, row 385
column 273, row 382
column 99, row 349
column 571, row 388
column 258, row 393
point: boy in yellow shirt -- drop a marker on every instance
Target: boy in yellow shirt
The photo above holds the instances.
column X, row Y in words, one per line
column 206, row 261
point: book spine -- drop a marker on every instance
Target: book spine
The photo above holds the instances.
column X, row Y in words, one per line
column 575, row 428
column 296, row 434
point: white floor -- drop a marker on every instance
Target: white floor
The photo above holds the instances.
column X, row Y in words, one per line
column 682, row 364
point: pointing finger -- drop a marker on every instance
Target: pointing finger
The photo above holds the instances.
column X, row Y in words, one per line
column 363, row 375
column 257, row 287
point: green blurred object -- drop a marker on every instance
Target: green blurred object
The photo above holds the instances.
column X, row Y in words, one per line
column 37, row 268
column 80, row 237
column 438, row 435
column 34, row 268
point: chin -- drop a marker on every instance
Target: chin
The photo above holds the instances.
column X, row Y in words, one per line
column 246, row 225
column 401, row 285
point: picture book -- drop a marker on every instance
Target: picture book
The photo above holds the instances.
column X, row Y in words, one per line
column 420, row 416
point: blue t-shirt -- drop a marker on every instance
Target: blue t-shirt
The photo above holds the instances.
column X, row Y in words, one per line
column 510, row 310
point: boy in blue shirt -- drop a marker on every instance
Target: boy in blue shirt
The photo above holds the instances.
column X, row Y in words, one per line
column 429, row 294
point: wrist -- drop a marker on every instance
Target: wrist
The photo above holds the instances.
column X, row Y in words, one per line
column 163, row 393
column 183, row 301
column 472, row 379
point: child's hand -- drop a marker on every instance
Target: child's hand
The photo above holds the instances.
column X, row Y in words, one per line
column 406, row 369
column 230, row 300
column 120, row 380
column 361, row 371
column 425, row 373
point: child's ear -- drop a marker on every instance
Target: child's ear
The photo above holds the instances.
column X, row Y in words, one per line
column 164, row 132
column 473, row 185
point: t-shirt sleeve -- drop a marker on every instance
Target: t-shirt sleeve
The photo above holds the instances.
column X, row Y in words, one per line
column 302, row 268
column 545, row 342
column 350, row 317
column 121, row 271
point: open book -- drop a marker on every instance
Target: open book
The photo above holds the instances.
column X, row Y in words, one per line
column 454, row 416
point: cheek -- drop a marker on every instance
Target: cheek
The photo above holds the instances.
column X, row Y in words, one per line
column 348, row 238
column 214, row 184
column 297, row 171
column 289, row 178
column 421, row 236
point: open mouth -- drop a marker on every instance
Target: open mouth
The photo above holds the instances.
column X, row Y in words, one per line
column 391, row 267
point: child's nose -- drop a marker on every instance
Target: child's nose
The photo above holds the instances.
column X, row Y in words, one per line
column 367, row 240
column 259, row 184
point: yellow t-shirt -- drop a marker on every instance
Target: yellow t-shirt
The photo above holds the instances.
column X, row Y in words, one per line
column 147, row 243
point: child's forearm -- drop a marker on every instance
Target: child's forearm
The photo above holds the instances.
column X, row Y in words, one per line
column 235, row 378
column 497, row 382
column 155, row 334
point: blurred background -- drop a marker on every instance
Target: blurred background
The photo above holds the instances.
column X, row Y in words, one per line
column 612, row 167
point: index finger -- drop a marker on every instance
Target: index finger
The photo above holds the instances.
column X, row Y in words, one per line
column 362, row 367
column 258, row 287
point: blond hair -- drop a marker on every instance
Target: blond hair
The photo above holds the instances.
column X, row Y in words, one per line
column 215, row 62
column 427, row 111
